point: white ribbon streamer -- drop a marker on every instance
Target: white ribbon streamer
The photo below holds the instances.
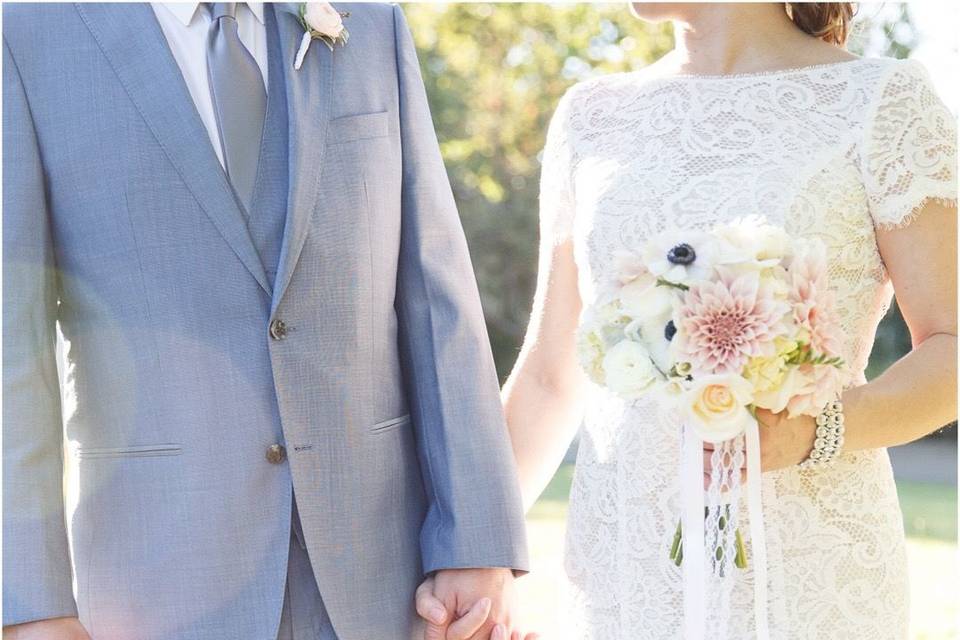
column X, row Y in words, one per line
column 691, row 517
column 758, row 543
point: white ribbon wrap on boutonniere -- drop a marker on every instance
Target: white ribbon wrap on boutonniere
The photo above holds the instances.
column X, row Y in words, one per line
column 320, row 21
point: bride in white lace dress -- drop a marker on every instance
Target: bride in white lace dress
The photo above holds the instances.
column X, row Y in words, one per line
column 749, row 115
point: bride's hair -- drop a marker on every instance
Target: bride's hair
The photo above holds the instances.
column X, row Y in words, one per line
column 829, row 21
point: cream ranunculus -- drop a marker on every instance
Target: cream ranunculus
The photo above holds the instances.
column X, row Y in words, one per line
column 628, row 369
column 794, row 382
column 716, row 407
column 599, row 327
column 324, row 19
column 767, row 372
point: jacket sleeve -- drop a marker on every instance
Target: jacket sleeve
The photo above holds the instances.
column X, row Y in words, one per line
column 475, row 515
column 37, row 581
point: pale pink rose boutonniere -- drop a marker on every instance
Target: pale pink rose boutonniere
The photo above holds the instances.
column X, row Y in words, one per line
column 321, row 22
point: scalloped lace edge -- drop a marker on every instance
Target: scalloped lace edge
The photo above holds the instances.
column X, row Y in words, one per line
column 913, row 213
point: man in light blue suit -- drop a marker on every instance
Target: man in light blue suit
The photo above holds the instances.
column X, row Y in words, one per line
column 283, row 411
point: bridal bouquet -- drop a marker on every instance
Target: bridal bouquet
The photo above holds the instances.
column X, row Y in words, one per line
column 725, row 321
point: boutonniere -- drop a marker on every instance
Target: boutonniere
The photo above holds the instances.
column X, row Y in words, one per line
column 320, row 21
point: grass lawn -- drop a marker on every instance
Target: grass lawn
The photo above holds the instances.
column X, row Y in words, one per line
column 930, row 517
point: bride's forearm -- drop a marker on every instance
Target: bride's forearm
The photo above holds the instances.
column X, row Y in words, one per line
column 915, row 396
column 543, row 415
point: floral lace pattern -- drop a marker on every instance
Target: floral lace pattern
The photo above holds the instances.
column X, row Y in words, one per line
column 835, row 151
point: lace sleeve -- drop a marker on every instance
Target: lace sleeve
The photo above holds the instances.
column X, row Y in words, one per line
column 910, row 152
column 556, row 184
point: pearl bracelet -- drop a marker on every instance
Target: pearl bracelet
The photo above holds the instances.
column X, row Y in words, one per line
column 829, row 440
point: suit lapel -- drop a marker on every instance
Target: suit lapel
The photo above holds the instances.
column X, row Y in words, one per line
column 308, row 105
column 134, row 45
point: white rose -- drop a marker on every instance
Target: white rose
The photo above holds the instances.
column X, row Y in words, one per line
column 773, row 244
column 716, row 407
column 750, row 240
column 628, row 369
column 324, row 19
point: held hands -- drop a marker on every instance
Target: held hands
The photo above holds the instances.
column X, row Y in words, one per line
column 458, row 604
column 784, row 442
column 52, row 629
column 469, row 604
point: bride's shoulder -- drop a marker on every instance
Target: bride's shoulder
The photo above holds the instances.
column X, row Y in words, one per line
column 606, row 88
column 879, row 72
column 890, row 85
column 608, row 82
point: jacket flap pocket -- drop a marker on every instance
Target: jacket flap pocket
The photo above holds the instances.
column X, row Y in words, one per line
column 138, row 451
column 393, row 423
column 358, row 127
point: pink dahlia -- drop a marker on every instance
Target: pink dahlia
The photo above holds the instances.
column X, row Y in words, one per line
column 822, row 384
column 813, row 302
column 724, row 322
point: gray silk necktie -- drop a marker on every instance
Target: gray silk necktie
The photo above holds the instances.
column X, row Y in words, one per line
column 239, row 98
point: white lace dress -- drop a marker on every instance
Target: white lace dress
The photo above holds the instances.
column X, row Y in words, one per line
column 834, row 152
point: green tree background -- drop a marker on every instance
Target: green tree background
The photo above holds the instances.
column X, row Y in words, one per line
column 494, row 73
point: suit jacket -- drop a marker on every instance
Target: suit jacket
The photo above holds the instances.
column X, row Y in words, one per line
column 120, row 227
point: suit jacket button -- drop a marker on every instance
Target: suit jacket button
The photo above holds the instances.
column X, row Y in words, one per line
column 276, row 453
column 278, row 329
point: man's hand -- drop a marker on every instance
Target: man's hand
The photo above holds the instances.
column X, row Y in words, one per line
column 469, row 604
column 52, row 629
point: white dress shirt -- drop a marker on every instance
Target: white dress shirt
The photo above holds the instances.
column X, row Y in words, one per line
column 185, row 25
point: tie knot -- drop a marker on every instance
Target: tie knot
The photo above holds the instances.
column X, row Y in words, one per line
column 222, row 10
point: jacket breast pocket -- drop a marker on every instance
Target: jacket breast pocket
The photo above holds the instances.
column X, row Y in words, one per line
column 358, row 127
column 139, row 451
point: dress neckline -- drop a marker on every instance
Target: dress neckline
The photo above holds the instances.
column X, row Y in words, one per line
column 823, row 66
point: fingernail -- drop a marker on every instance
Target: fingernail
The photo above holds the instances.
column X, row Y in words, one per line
column 497, row 633
column 438, row 615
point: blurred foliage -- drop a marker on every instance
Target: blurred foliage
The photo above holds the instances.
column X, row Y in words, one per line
column 883, row 29
column 494, row 74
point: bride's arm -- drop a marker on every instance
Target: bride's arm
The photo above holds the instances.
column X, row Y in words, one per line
column 918, row 394
column 907, row 159
column 542, row 396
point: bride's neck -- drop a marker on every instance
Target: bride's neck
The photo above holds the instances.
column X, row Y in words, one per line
column 729, row 38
